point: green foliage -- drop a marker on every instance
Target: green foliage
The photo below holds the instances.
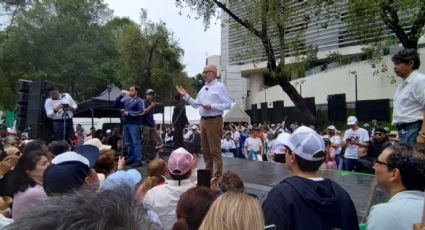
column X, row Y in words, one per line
column 149, row 57
column 61, row 41
column 7, row 96
column 79, row 45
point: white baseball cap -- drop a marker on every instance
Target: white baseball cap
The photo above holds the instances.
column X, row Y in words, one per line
column 332, row 127
column 305, row 142
column 351, row 120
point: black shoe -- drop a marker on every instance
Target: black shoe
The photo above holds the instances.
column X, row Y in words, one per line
column 136, row 164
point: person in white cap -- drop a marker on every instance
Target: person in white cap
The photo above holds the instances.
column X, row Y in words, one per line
column 306, row 200
column 354, row 137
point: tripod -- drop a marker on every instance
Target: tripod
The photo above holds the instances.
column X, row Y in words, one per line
column 65, row 117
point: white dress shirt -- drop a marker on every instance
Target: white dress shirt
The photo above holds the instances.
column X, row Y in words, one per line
column 409, row 99
column 50, row 104
column 214, row 93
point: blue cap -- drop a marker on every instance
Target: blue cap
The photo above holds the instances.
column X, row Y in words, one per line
column 90, row 152
column 130, row 178
column 64, row 177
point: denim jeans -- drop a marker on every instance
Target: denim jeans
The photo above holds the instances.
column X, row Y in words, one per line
column 349, row 164
column 408, row 134
column 132, row 142
column 58, row 132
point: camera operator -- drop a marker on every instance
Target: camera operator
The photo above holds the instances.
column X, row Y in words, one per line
column 59, row 107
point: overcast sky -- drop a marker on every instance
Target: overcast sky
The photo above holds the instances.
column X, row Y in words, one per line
column 196, row 43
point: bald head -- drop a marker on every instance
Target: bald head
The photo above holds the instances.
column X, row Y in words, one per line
column 209, row 73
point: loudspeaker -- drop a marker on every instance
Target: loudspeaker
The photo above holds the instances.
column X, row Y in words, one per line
column 367, row 110
column 254, row 114
column 39, row 124
column 337, row 109
column 22, row 91
column 311, row 104
column 277, row 114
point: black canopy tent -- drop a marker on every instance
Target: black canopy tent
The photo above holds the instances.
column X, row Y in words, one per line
column 101, row 105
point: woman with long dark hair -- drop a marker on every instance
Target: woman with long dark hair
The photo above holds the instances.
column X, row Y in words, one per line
column 27, row 182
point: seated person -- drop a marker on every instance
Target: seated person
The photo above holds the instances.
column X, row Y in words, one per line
column 368, row 155
column 193, row 141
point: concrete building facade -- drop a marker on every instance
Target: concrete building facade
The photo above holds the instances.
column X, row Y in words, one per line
column 246, row 82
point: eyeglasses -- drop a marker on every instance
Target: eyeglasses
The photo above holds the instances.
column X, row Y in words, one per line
column 379, row 134
column 207, row 71
column 379, row 162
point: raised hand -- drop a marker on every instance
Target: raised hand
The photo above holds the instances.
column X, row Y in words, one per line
column 181, row 90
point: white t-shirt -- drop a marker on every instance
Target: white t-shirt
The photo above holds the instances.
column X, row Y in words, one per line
column 360, row 135
column 227, row 144
column 253, row 144
column 236, row 136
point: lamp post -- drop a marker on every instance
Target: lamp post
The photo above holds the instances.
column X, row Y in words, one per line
column 300, row 83
column 265, row 95
column 354, row 73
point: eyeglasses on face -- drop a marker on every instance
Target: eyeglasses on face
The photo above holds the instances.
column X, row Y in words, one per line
column 379, row 162
column 378, row 134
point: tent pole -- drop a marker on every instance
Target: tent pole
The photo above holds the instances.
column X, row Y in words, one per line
column 92, row 117
column 109, row 105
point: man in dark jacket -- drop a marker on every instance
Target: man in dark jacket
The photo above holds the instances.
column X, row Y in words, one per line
column 179, row 120
column 149, row 135
column 131, row 106
column 306, row 200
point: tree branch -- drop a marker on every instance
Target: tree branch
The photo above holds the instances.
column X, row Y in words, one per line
column 245, row 23
column 390, row 18
column 418, row 25
column 281, row 33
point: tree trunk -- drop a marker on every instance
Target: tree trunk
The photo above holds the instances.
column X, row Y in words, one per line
column 297, row 99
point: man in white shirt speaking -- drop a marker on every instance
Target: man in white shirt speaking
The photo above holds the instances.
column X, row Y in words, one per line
column 409, row 98
column 212, row 99
column 59, row 107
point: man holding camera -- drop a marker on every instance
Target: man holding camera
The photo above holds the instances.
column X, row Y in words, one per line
column 59, row 107
column 354, row 138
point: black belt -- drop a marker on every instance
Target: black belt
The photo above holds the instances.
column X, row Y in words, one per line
column 404, row 125
column 210, row 117
column 61, row 120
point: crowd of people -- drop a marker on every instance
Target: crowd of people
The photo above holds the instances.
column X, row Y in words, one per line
column 88, row 187
column 92, row 181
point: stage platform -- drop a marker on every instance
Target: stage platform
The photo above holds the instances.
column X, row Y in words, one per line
column 260, row 177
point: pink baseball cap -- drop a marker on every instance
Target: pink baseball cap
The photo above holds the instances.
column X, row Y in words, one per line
column 180, row 162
